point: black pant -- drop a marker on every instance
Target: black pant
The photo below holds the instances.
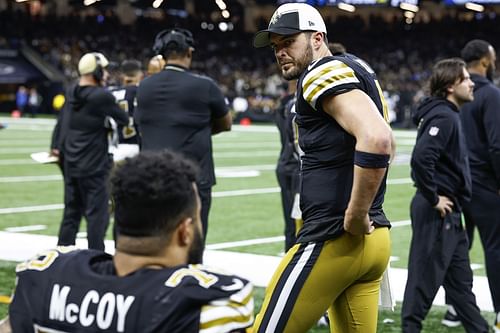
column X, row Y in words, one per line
column 483, row 211
column 88, row 197
column 206, row 200
column 289, row 187
column 438, row 256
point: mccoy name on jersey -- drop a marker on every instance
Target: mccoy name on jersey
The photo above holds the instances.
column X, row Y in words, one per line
column 79, row 291
column 328, row 160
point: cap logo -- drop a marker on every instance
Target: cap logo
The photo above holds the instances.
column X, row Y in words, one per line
column 311, row 24
column 275, row 18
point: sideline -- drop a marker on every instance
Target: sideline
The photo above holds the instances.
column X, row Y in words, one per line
column 257, row 268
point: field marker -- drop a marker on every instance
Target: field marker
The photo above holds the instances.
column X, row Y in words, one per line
column 247, row 242
column 238, row 174
column 34, row 227
column 22, row 179
column 245, row 192
column 29, row 209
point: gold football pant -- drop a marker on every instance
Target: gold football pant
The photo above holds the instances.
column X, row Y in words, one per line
column 340, row 275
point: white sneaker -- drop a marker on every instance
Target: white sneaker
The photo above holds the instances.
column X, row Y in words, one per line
column 323, row 321
column 451, row 318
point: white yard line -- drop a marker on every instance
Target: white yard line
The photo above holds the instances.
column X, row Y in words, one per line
column 22, row 179
column 247, row 242
column 29, row 209
column 34, row 227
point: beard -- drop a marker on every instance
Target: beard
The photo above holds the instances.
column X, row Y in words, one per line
column 490, row 71
column 300, row 64
column 195, row 254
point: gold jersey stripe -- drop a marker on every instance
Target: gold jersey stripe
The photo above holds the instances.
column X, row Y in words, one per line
column 314, row 74
column 328, row 83
column 242, row 320
column 328, row 75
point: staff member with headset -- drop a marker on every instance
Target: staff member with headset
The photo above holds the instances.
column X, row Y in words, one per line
column 82, row 139
column 179, row 110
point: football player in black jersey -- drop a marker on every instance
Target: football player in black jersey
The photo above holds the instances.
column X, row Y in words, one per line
column 153, row 282
column 343, row 247
column 128, row 136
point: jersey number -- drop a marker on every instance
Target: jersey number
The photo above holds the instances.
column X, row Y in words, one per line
column 204, row 279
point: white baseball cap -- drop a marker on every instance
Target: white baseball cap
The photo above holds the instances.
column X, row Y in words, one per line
column 89, row 61
column 289, row 19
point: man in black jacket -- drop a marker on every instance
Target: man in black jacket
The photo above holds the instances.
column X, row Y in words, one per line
column 440, row 170
column 83, row 142
column 179, row 110
column 481, row 123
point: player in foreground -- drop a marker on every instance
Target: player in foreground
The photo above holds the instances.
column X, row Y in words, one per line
column 152, row 283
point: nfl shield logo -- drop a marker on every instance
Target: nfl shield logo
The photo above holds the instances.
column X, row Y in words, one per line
column 434, row 131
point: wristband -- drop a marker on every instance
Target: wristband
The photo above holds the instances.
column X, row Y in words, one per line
column 371, row 160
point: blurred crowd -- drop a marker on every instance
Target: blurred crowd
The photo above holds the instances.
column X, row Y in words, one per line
column 402, row 54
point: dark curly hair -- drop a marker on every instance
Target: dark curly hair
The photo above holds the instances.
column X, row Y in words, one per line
column 152, row 192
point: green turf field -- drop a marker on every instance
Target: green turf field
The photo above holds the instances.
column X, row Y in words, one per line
column 232, row 217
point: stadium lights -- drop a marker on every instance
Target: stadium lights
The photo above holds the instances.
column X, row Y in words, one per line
column 21, row 0
column 347, row 7
column 221, row 4
column 157, row 3
column 89, row 2
column 409, row 15
column 409, row 7
column 474, row 6
column 225, row 14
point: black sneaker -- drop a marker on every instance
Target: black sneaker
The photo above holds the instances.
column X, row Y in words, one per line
column 451, row 318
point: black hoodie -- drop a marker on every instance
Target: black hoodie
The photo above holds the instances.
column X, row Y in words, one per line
column 481, row 123
column 439, row 160
column 83, row 138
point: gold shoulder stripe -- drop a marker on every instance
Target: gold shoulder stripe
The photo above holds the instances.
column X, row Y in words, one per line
column 325, row 77
column 236, row 321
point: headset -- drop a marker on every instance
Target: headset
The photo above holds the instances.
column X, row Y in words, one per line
column 98, row 72
column 175, row 39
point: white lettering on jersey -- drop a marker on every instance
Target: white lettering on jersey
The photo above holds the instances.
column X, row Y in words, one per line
column 119, row 94
column 109, row 306
column 236, row 285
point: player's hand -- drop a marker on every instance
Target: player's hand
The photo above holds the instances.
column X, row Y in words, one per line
column 54, row 152
column 444, row 205
column 357, row 225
